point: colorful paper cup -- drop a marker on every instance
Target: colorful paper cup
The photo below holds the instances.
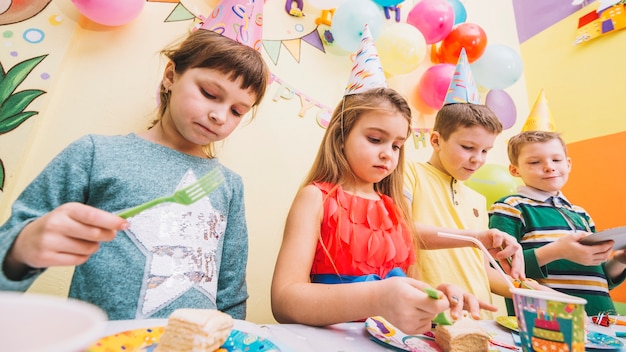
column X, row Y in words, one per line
column 550, row 321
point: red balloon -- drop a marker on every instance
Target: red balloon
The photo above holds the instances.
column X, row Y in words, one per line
column 466, row 35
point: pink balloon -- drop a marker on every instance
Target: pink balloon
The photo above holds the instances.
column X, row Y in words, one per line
column 434, row 18
column 110, row 12
column 503, row 106
column 434, row 83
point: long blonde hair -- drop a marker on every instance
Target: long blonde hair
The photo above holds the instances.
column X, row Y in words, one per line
column 330, row 164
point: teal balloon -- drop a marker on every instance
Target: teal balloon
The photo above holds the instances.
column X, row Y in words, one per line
column 388, row 2
column 350, row 19
column 493, row 181
column 498, row 68
column 460, row 15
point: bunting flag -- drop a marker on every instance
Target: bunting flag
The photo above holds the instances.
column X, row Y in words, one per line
column 273, row 48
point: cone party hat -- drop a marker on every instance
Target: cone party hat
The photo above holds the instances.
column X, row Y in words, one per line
column 239, row 20
column 540, row 117
column 367, row 72
column 462, row 87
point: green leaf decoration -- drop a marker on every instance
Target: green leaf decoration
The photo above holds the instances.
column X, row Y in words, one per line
column 16, row 120
column 17, row 103
column 16, row 75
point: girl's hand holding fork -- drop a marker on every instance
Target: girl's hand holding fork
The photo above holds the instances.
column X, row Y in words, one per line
column 66, row 236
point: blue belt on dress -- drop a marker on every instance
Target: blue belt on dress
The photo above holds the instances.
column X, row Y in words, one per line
column 345, row 279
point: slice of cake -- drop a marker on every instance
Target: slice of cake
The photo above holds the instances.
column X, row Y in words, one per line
column 465, row 335
column 195, row 330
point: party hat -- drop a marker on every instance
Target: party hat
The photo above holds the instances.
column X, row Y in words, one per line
column 367, row 72
column 540, row 117
column 462, row 88
column 239, row 20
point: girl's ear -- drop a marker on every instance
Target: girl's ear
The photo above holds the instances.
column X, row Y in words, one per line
column 168, row 75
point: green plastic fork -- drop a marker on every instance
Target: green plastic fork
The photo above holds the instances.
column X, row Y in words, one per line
column 186, row 196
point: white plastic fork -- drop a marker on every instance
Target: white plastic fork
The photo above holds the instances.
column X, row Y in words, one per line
column 485, row 253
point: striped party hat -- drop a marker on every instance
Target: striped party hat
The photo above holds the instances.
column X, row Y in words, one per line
column 367, row 72
column 462, row 88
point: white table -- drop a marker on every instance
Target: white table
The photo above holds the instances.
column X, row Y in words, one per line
column 346, row 337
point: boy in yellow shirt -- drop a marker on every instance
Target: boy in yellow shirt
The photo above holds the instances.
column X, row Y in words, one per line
column 463, row 133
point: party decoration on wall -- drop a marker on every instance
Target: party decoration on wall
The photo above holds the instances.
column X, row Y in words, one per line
column 293, row 46
column 349, row 20
column 609, row 17
column 401, row 48
column 462, row 87
column 294, row 8
column 540, row 117
column 503, row 106
column 387, row 10
column 498, row 68
column 469, row 36
column 367, row 72
column 492, row 181
column 110, row 12
column 13, row 104
column 18, row 11
column 239, row 20
column 434, row 18
column 287, row 92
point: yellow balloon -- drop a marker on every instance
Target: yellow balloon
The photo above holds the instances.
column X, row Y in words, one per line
column 401, row 48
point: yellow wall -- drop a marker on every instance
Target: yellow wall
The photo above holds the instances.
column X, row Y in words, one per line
column 104, row 81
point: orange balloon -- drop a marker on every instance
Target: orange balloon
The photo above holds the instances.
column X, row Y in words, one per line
column 466, row 35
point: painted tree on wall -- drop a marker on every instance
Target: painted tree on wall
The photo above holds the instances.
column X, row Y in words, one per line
column 13, row 104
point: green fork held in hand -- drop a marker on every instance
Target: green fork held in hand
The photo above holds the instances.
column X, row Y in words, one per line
column 186, row 196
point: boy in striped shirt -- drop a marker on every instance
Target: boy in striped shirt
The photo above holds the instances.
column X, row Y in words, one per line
column 549, row 227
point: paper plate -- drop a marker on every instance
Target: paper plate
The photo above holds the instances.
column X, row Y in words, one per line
column 509, row 322
column 147, row 339
column 598, row 340
column 388, row 335
column 44, row 323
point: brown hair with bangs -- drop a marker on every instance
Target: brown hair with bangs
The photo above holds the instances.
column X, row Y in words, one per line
column 207, row 49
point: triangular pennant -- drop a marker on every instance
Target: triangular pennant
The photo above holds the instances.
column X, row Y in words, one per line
column 272, row 48
column 314, row 40
column 293, row 46
column 179, row 13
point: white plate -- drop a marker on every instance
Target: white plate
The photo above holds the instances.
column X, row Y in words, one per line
column 617, row 234
column 33, row 323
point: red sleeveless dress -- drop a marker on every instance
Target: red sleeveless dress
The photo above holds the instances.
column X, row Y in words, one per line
column 362, row 236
